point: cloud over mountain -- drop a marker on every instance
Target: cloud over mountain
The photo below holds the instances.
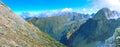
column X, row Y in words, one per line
column 92, row 7
column 112, row 4
column 46, row 13
column 67, row 10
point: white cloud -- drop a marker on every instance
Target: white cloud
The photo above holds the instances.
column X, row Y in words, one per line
column 27, row 14
column 84, row 9
column 112, row 4
column 87, row 10
column 67, row 10
column 95, row 5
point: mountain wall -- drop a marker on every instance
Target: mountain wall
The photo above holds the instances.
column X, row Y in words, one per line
column 95, row 31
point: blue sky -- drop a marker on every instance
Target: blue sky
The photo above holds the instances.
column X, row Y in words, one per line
column 37, row 5
column 42, row 5
column 88, row 6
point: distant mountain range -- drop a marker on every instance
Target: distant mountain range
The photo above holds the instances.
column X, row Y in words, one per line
column 26, row 15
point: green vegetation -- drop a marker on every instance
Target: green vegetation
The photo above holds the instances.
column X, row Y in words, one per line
column 58, row 26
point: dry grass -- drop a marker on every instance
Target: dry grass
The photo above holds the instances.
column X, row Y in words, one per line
column 15, row 32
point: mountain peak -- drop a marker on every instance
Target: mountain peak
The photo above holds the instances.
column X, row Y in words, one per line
column 105, row 9
column 103, row 14
column 95, row 31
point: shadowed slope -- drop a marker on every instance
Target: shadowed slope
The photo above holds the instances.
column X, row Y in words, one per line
column 95, row 31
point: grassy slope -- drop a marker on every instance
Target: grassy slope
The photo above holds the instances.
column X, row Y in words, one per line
column 14, row 31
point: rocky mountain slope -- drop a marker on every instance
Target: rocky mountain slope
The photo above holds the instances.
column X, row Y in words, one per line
column 95, row 31
column 16, row 32
column 114, row 41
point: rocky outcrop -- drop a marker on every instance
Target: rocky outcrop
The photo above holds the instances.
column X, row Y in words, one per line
column 16, row 32
column 114, row 41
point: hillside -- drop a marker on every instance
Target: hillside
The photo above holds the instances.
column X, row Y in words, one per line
column 16, row 32
column 59, row 27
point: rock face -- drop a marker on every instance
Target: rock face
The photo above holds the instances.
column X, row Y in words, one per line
column 114, row 41
column 95, row 31
column 15, row 32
